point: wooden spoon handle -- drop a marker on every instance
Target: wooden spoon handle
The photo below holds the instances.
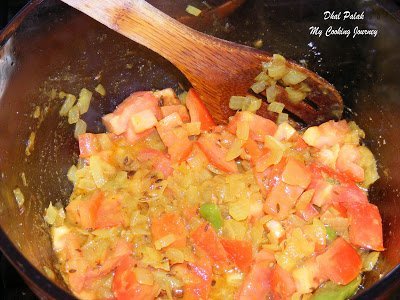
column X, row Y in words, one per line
column 148, row 26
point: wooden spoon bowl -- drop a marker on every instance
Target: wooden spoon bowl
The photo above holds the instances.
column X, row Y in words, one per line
column 217, row 69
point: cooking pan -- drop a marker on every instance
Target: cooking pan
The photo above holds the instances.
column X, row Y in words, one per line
column 50, row 47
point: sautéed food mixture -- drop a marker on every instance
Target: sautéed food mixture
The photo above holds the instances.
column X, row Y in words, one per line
column 169, row 205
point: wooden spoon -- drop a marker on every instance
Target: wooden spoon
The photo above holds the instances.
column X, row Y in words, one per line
column 217, row 69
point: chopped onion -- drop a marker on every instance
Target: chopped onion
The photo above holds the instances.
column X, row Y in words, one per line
column 234, row 278
column 51, row 214
column 369, row 260
column 100, row 89
column 84, row 100
column 71, row 174
column 295, row 96
column 23, row 177
column 293, row 77
column 242, row 130
column 276, row 107
column 67, row 105
column 30, row 145
column 80, row 128
column 277, row 69
column 175, row 256
column 193, row 128
column 258, row 87
column 165, row 241
column 282, row 118
column 251, row 104
column 262, row 77
column 304, row 199
column 271, row 93
column 190, row 9
column 235, row 150
column 284, row 132
column 36, row 113
column 19, row 197
column 239, row 210
column 182, row 97
column 73, row 115
column 144, row 276
column 236, row 102
column 275, row 228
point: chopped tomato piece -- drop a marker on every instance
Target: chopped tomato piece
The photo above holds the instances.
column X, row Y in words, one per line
column 175, row 137
column 159, row 160
column 327, row 134
column 118, row 252
column 346, row 163
column 296, row 173
column 365, row 226
column 257, row 283
column 88, row 145
column 125, row 285
column 110, row 214
column 197, row 276
column 117, row 122
column 180, row 109
column 282, row 199
column 216, row 154
column 271, row 177
column 253, row 150
column 169, row 223
column 239, row 252
column 282, row 283
column 259, row 126
column 349, row 193
column 83, row 212
column 206, row 239
column 340, row 262
column 167, row 97
column 143, row 120
column 198, row 111
column 309, row 212
column 132, row 137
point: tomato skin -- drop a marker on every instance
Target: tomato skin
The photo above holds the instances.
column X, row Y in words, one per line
column 118, row 121
column 216, row 154
column 84, row 211
column 239, row 252
column 296, row 173
column 346, row 163
column 198, row 111
column 281, row 199
column 197, row 274
column 365, row 226
column 340, row 262
column 125, row 285
column 282, row 283
column 259, row 126
column 159, row 160
column 257, row 283
column 207, row 240
column 169, row 223
column 180, row 109
column 88, row 145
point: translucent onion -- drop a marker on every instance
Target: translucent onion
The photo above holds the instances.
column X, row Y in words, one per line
column 282, row 118
column 258, row 87
column 294, row 95
column 235, row 150
column 369, row 260
column 193, row 128
column 277, row 69
column 190, row 9
column 73, row 115
column 276, row 107
column 19, row 197
column 68, row 103
column 85, row 96
column 293, row 77
column 175, row 256
column 100, row 89
column 80, row 128
column 271, row 93
column 144, row 276
column 239, row 210
column 165, row 241
column 236, row 102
